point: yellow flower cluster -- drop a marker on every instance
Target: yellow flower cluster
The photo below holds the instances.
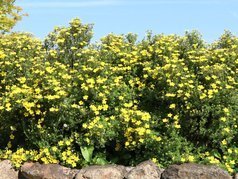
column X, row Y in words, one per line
column 139, row 129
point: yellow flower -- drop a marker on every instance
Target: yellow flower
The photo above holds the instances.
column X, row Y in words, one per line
column 191, row 158
column 128, row 105
column 177, row 126
column 172, row 106
column 182, row 159
column 8, row 107
column 176, row 117
column 59, row 41
column 22, row 80
column 226, row 110
column 224, row 142
column 61, row 143
column 165, row 120
column 154, row 160
column 170, row 115
column 54, row 148
column 81, row 102
column 52, row 109
column 170, row 95
column 158, row 138
column 9, row 145
column 12, row 136
column 85, row 97
column 2, row 55
column 120, row 97
column 232, row 162
column 68, row 142
column 226, row 129
column 141, row 131
column 223, row 119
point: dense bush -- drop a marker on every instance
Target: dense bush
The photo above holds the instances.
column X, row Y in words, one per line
column 171, row 99
column 10, row 14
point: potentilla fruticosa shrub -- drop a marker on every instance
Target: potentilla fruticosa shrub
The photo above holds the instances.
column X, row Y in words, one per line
column 168, row 98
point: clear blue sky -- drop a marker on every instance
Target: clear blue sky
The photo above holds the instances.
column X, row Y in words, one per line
column 209, row 17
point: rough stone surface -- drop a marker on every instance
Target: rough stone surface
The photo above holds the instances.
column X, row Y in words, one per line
column 128, row 169
column 46, row 171
column 145, row 170
column 6, row 170
column 236, row 176
column 102, row 172
column 194, row 171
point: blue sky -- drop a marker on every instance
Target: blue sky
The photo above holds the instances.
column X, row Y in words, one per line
column 209, row 17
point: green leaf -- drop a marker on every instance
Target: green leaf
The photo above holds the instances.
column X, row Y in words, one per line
column 101, row 161
column 87, row 152
column 217, row 154
column 114, row 159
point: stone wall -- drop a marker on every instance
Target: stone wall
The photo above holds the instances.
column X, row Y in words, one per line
column 145, row 170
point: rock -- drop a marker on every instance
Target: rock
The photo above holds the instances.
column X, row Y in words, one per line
column 128, row 169
column 194, row 171
column 46, row 171
column 6, row 170
column 145, row 170
column 102, row 172
column 236, row 176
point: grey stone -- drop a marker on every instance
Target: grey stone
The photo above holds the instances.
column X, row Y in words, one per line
column 145, row 170
column 128, row 169
column 102, row 172
column 194, row 171
column 46, row 171
column 236, row 176
column 7, row 171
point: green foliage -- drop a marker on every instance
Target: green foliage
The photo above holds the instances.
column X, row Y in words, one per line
column 9, row 15
column 66, row 43
column 168, row 98
column 87, row 152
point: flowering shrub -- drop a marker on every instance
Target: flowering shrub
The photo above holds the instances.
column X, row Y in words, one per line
column 171, row 99
column 9, row 15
